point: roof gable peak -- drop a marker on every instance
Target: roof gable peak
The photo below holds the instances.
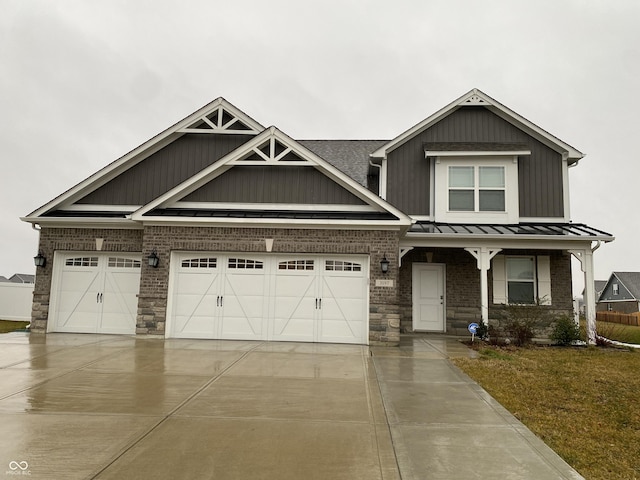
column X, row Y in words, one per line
column 475, row 97
column 220, row 116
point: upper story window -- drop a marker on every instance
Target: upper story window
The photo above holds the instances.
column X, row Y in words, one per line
column 616, row 289
column 477, row 189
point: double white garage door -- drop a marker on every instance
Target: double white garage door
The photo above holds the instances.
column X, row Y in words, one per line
column 213, row 295
column 263, row 297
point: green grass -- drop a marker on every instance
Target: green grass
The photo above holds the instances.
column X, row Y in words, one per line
column 622, row 333
column 7, row 326
column 583, row 402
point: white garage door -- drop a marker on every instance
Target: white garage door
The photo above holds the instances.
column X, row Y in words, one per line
column 95, row 293
column 262, row 297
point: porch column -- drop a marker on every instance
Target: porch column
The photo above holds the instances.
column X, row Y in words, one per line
column 586, row 264
column 483, row 256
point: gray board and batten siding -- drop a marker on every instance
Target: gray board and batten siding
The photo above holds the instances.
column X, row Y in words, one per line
column 191, row 153
column 274, row 184
column 163, row 170
column 539, row 174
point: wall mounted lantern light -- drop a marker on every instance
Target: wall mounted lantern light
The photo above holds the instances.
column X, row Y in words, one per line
column 153, row 259
column 40, row 260
column 384, row 264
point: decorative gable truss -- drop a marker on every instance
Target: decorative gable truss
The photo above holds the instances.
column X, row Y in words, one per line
column 222, row 117
column 272, row 179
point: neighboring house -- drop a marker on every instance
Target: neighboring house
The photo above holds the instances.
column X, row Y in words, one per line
column 3, row 279
column 22, row 278
column 598, row 286
column 621, row 293
column 221, row 228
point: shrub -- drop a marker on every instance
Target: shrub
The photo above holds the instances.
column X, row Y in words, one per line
column 565, row 331
column 521, row 322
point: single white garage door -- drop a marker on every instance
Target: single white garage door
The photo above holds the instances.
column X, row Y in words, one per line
column 95, row 293
column 265, row 297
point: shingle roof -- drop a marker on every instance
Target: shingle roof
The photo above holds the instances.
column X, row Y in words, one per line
column 22, row 278
column 348, row 156
column 631, row 281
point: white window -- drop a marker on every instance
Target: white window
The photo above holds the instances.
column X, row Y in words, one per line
column 480, row 189
column 476, row 189
column 521, row 279
column 616, row 289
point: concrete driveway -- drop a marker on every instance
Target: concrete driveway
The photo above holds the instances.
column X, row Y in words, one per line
column 114, row 407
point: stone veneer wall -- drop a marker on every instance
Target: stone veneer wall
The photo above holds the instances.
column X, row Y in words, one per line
column 383, row 301
column 73, row 239
column 462, row 285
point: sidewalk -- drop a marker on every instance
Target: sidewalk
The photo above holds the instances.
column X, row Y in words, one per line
column 444, row 426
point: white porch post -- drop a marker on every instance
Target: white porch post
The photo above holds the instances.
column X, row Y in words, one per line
column 586, row 263
column 483, row 256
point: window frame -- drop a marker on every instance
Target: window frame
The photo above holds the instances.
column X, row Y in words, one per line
column 441, row 210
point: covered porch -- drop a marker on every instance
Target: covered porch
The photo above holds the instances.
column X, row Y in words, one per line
column 454, row 274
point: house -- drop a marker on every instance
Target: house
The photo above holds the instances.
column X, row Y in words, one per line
column 621, row 293
column 22, row 278
column 598, row 286
column 221, row 228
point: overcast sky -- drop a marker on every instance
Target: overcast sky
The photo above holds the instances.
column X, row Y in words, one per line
column 83, row 82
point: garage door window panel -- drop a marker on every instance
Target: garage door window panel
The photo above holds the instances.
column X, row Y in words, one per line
column 199, row 263
column 82, row 262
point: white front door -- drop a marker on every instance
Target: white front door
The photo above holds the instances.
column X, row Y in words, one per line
column 428, row 297
column 95, row 293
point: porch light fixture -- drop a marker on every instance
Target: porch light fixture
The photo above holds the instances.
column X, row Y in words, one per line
column 384, row 264
column 40, row 260
column 153, row 259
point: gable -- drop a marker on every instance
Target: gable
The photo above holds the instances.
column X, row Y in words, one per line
column 155, row 166
column 276, row 184
column 164, row 169
column 476, row 98
column 476, row 128
column 628, row 287
column 271, row 177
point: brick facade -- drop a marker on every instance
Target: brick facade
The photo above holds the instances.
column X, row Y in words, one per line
column 154, row 282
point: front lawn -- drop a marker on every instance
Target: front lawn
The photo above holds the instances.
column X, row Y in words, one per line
column 7, row 326
column 583, row 402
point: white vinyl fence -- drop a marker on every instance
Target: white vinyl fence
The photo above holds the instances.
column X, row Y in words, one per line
column 15, row 301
